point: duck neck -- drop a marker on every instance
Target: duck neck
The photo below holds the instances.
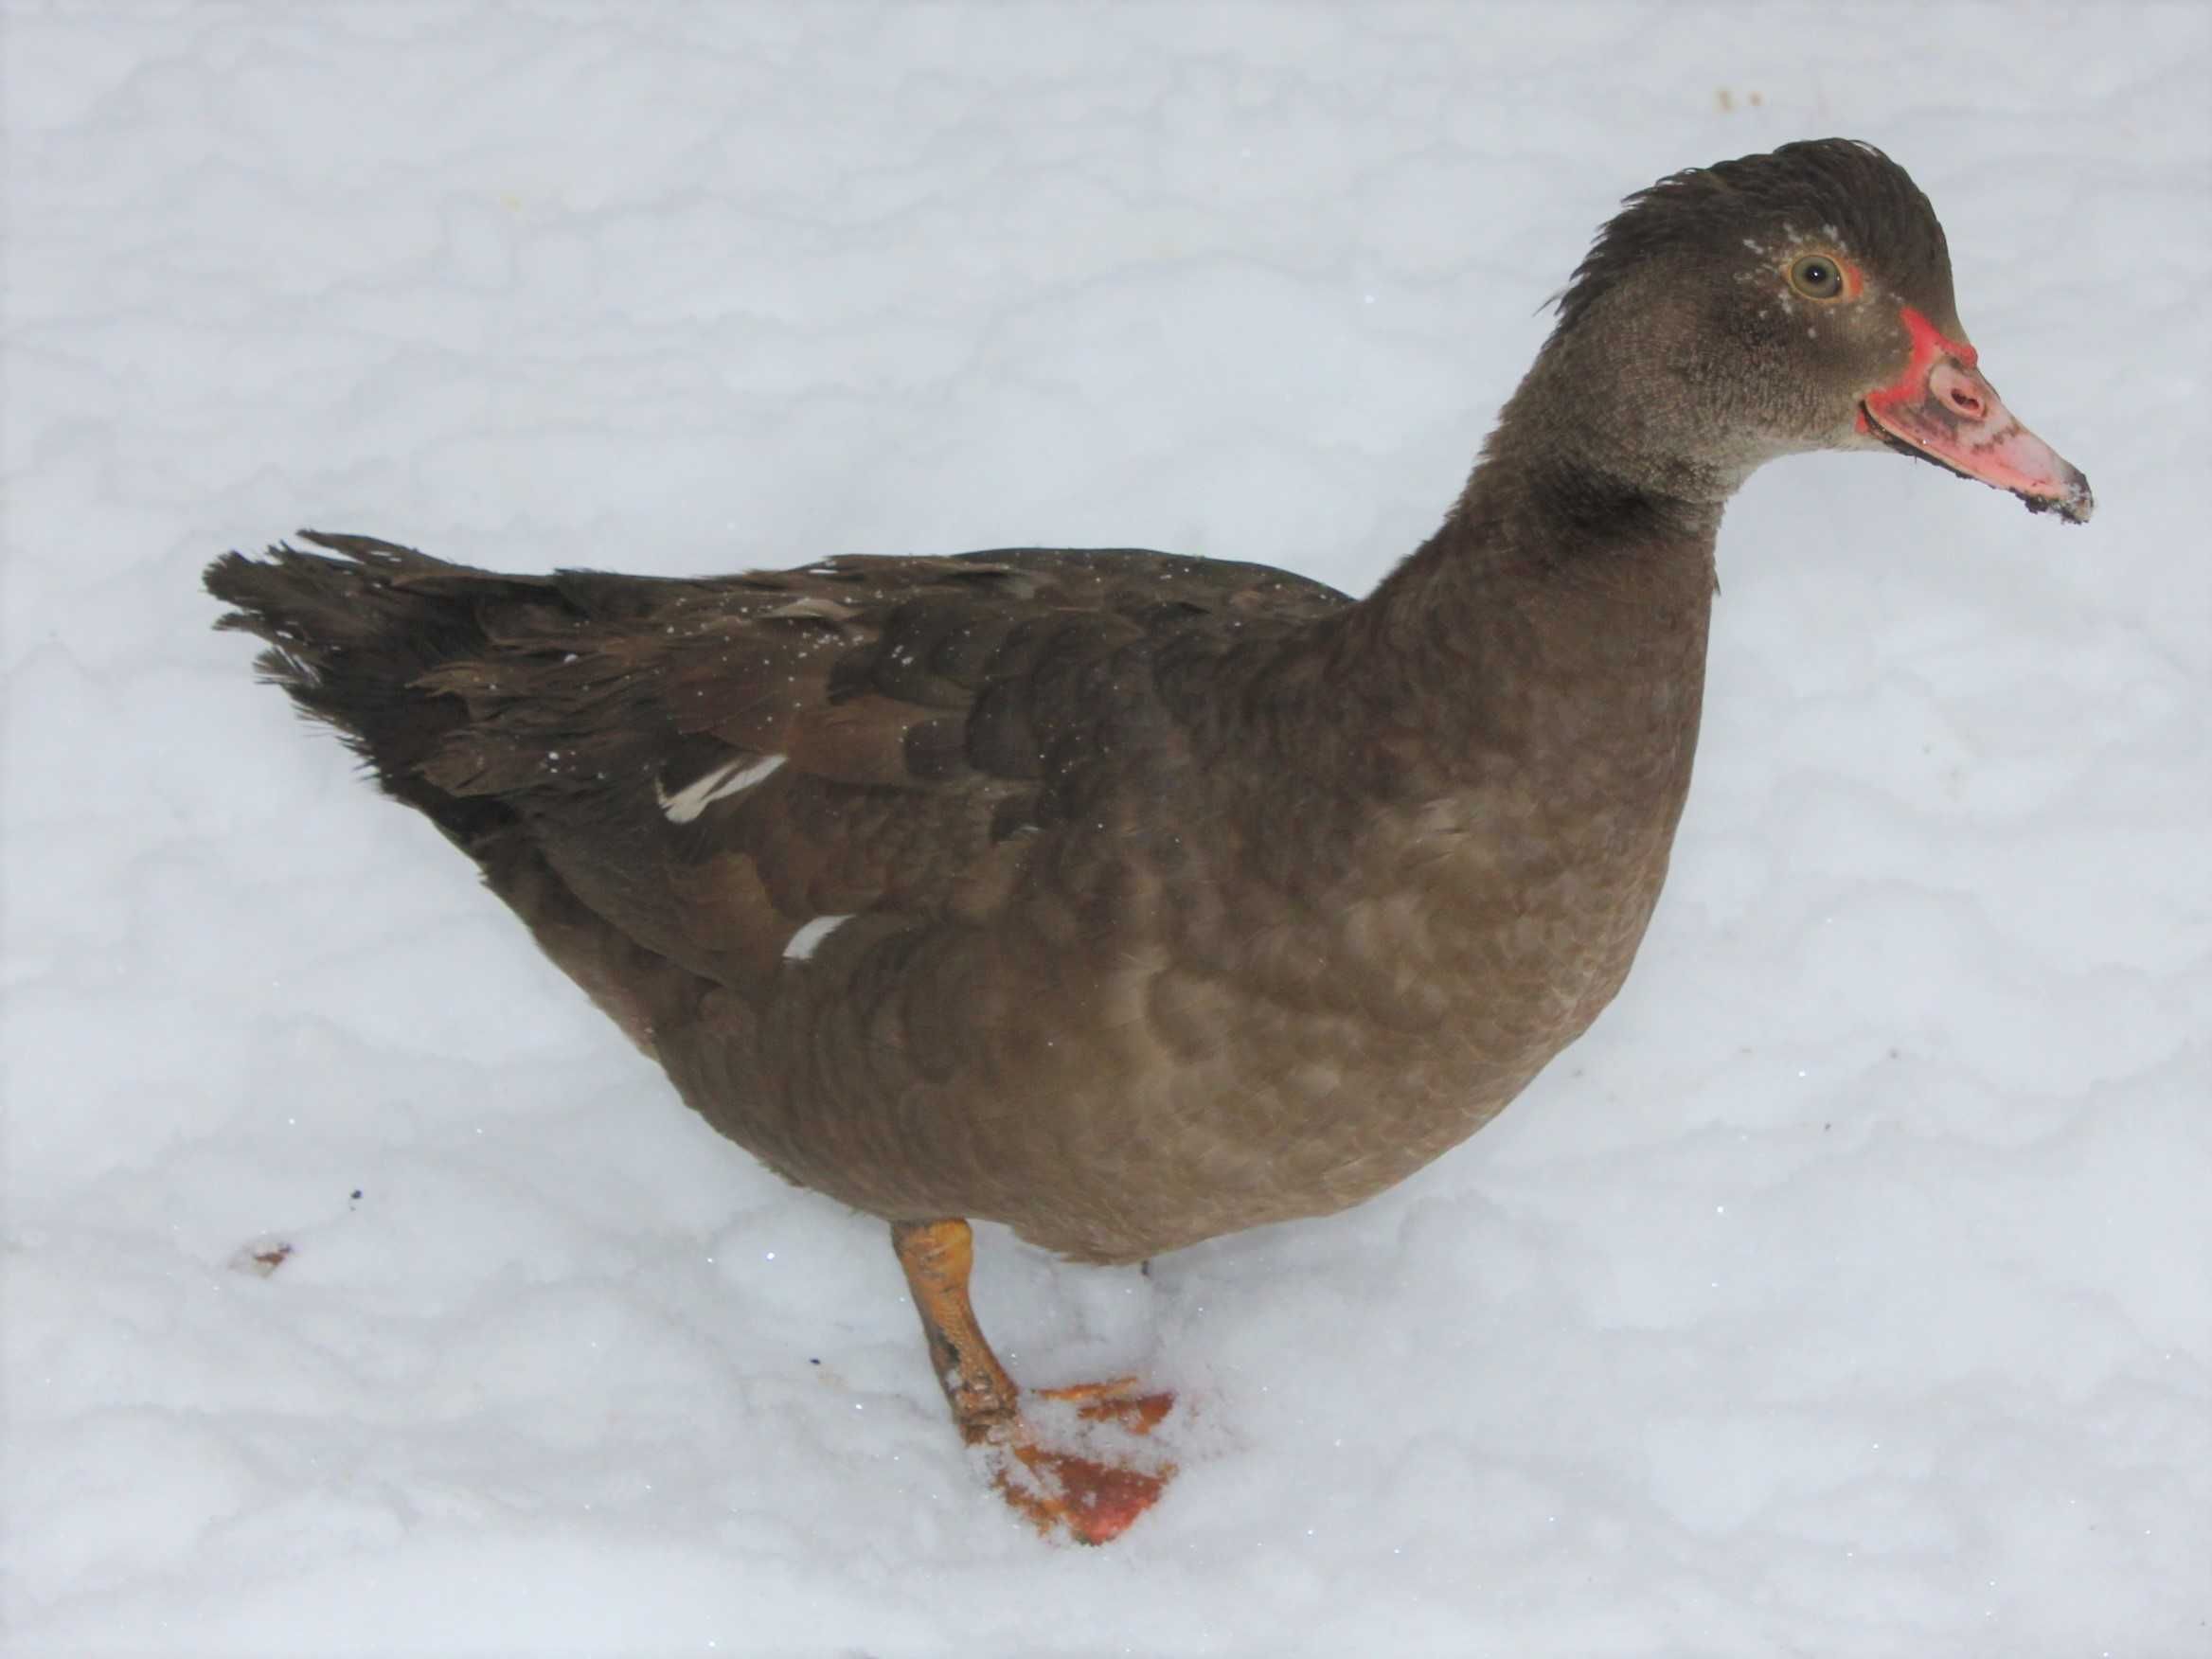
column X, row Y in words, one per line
column 1554, row 626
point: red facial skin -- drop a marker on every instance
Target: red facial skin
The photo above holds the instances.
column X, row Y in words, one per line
column 1941, row 407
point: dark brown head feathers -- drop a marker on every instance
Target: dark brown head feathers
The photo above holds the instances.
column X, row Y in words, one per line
column 1842, row 186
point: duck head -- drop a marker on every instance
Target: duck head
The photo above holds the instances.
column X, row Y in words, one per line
column 1778, row 303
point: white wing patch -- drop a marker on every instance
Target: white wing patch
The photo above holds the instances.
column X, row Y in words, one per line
column 803, row 943
column 694, row 798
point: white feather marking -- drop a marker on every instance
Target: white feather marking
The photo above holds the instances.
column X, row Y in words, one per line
column 803, row 943
column 694, row 798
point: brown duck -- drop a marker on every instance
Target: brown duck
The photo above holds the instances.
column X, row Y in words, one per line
column 1128, row 898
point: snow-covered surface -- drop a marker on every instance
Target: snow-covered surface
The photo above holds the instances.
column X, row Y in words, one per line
column 1848, row 1292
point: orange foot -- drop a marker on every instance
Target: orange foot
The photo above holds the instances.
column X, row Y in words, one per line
column 1090, row 1500
column 1115, row 1401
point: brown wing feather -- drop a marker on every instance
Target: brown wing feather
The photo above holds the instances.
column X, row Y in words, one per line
column 710, row 764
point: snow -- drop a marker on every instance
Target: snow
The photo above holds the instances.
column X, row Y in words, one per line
column 1847, row 1291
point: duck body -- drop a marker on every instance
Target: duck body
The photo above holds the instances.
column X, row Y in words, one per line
column 1049, row 1003
column 1130, row 899
column 1143, row 1031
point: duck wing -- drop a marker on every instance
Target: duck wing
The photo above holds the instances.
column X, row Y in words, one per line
column 713, row 767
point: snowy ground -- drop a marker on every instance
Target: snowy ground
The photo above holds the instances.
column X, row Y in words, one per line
column 1848, row 1292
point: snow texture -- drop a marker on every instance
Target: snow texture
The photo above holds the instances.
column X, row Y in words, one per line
column 1847, row 1291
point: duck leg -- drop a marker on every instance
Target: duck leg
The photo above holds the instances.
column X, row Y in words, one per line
column 1092, row 1500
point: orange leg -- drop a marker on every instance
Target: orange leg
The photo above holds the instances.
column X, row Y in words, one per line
column 1092, row 1500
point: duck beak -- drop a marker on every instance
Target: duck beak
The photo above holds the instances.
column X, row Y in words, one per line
column 1942, row 410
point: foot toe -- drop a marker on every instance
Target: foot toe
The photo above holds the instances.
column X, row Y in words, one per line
column 1092, row 1500
column 1119, row 1401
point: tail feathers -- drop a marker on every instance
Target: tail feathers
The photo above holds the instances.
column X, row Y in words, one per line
column 358, row 634
column 350, row 631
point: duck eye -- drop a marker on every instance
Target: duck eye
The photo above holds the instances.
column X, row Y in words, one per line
column 1817, row 276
